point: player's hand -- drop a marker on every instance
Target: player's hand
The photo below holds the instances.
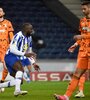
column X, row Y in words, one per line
column 30, row 54
column 72, row 48
column 36, row 67
column 78, row 37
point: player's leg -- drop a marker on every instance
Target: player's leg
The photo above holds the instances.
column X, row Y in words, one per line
column 12, row 66
column 5, row 71
column 27, row 69
column 18, row 73
column 72, row 85
column 81, row 83
column 81, row 87
column 74, row 82
column 80, row 70
column 16, row 70
column 18, row 78
column 8, row 83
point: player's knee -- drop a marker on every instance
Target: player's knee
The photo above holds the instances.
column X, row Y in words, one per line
column 19, row 74
column 5, row 70
column 77, row 76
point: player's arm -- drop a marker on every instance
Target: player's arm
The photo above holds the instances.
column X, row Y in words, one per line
column 11, row 35
column 10, row 30
column 14, row 48
column 33, row 62
column 73, row 47
column 83, row 36
column 31, row 51
column 78, row 42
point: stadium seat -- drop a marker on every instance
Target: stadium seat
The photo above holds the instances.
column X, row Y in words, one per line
column 56, row 33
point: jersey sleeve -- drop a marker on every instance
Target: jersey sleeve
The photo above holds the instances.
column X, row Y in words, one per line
column 15, row 40
column 10, row 30
column 10, row 27
column 14, row 46
column 80, row 30
column 30, row 45
column 11, row 35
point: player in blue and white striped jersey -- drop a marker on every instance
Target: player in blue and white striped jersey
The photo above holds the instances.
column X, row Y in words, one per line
column 15, row 55
column 20, row 45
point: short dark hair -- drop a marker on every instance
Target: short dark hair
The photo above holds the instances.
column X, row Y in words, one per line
column 24, row 25
column 85, row 2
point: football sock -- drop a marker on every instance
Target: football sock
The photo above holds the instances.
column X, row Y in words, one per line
column 18, row 79
column 16, row 82
column 81, row 83
column 4, row 74
column 72, row 86
column 7, row 84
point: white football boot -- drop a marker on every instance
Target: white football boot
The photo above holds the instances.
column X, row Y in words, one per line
column 16, row 93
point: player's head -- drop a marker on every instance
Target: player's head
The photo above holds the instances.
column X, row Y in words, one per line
column 86, row 7
column 1, row 12
column 27, row 29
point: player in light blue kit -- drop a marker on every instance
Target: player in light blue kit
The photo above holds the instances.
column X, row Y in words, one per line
column 16, row 54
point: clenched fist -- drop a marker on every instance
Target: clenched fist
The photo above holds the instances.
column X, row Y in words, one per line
column 36, row 67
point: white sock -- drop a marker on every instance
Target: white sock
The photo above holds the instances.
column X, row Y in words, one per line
column 81, row 91
column 7, row 84
column 18, row 80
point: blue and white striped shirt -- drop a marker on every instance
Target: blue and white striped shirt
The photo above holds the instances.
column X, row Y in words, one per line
column 20, row 44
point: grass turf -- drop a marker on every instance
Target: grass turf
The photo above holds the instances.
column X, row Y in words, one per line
column 43, row 91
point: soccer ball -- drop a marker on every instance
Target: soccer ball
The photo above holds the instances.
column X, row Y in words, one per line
column 2, row 90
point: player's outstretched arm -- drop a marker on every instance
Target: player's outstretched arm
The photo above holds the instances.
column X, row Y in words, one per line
column 73, row 47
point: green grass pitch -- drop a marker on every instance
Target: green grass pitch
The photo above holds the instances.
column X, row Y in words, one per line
column 43, row 91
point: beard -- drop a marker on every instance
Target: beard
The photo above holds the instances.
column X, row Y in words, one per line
column 28, row 34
